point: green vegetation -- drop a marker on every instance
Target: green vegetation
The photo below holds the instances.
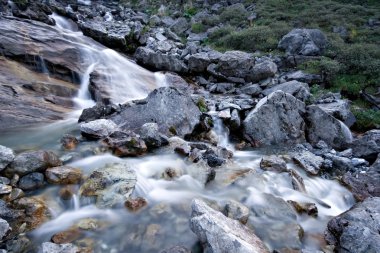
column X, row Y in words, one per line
column 198, row 28
column 366, row 119
column 202, row 105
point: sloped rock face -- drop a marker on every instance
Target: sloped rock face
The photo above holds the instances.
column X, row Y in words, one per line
column 221, row 234
column 174, row 112
column 235, row 64
column 368, row 145
column 308, row 42
column 276, row 119
column 299, row 90
column 357, row 230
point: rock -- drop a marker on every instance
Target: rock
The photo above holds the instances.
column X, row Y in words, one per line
column 33, row 161
column 339, row 109
column 63, row 175
column 172, row 173
column 236, row 211
column 136, row 204
column 295, row 88
column 303, row 77
column 322, row 126
column 262, row 71
column 235, row 121
column 6, row 157
column 67, row 236
column 173, row 111
column 69, row 142
column 5, row 189
column 67, row 192
column 36, row 211
column 357, row 230
column 31, row 181
column 308, row 161
column 221, row 234
column 213, row 160
column 297, row 181
column 235, row 64
column 179, row 26
column 125, row 144
column 9, row 214
column 152, row 137
column 251, row 89
column 16, row 193
column 110, row 185
column 283, row 113
column 179, row 145
column 159, row 61
column 49, row 247
column 4, row 228
column 98, row 129
column 199, row 62
column 35, row 11
column 176, row 249
column 308, row 208
column 273, row 163
column 98, row 111
column 368, row 145
column 308, row 42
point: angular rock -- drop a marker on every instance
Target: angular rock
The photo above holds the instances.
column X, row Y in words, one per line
column 283, row 113
column 49, row 247
column 98, row 111
column 173, row 111
column 31, row 181
column 176, row 249
column 357, row 230
column 308, row 161
column 236, row 211
column 251, row 89
column 152, row 137
column 322, row 126
column 308, row 42
column 295, row 88
column 136, row 204
column 179, row 26
column 221, row 234
column 262, row 71
column 69, row 142
column 5, row 189
column 6, row 157
column 303, row 77
column 125, row 144
column 339, row 109
column 63, row 175
column 199, row 62
column 308, row 208
column 4, row 228
column 110, row 185
column 33, row 161
column 235, row 64
column 273, row 163
column 98, row 129
column 367, row 146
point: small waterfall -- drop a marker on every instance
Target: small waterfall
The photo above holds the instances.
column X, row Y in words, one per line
column 83, row 99
column 222, row 132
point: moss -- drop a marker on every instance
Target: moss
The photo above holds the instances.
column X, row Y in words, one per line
column 172, row 130
column 202, row 105
column 198, row 28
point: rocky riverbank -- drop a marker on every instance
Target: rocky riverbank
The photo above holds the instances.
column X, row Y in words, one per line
column 172, row 161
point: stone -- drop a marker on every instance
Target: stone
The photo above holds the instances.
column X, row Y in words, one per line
column 236, row 211
column 49, row 247
column 98, row 129
column 31, row 181
column 4, row 228
column 111, row 185
column 136, row 204
column 5, row 189
column 303, row 77
column 308, row 208
column 283, row 113
column 36, row 211
column 199, row 62
column 98, row 111
column 357, row 230
column 299, row 90
column 235, row 121
column 125, row 144
column 179, row 26
column 179, row 145
column 67, row 236
column 368, row 145
column 173, row 111
column 69, row 142
column 8, row 213
column 6, row 157
column 273, row 163
column 322, row 126
column 222, row 234
column 262, row 71
column 176, row 249
column 152, row 137
column 311, row 163
column 251, row 89
column 32, row 161
column 235, row 64
column 340, row 109
column 307, row 42
column 63, row 175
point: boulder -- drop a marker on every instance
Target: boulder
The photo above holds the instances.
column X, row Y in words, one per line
column 221, row 234
column 303, row 77
column 235, row 64
column 173, row 111
column 69, row 142
column 273, row 163
column 251, row 89
column 111, row 185
column 340, row 109
column 152, row 137
column 262, row 71
column 307, row 42
column 6, row 157
column 368, row 145
column 199, row 62
column 236, row 211
column 98, row 111
column 308, row 161
column 179, row 26
column 63, row 175
column 98, row 129
column 49, row 247
column 322, row 126
column 125, row 144
column 4, row 228
column 176, row 249
column 33, row 161
column 357, row 230
column 32, row 181
column 295, row 88
column 33, row 10
column 283, row 113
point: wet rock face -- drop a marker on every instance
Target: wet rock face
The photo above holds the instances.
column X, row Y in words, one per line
column 31, row 181
column 152, row 137
column 276, row 119
column 174, row 112
column 98, row 111
column 33, row 161
column 63, row 175
column 308, row 161
column 219, row 233
column 273, row 163
column 110, row 185
column 125, row 144
column 98, row 129
column 356, row 230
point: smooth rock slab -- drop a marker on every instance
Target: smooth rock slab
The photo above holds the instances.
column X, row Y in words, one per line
column 222, row 234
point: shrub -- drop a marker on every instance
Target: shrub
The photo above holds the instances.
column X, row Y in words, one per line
column 234, row 15
column 326, row 67
column 198, row 28
column 366, row 119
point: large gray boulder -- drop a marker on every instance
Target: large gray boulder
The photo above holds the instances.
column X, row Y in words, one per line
column 173, row 111
column 276, row 119
column 357, row 230
column 6, row 157
column 179, row 26
column 199, row 62
column 235, row 64
column 295, row 88
column 110, row 186
column 340, row 109
column 368, row 145
column 219, row 233
column 324, row 127
column 308, row 42
column 159, row 60
column 98, row 129
column 262, row 71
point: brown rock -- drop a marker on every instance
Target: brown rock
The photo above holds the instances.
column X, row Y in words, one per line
column 67, row 236
column 136, row 204
column 63, row 175
column 69, row 142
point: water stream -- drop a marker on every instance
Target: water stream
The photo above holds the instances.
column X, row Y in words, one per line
column 165, row 221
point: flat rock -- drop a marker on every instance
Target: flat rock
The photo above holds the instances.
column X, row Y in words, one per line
column 308, row 161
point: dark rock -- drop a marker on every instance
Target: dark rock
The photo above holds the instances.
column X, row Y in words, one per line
column 222, row 88
column 213, row 160
column 199, row 62
column 308, row 208
column 63, row 175
column 7, row 213
column 179, row 145
column 36, row 211
column 357, row 230
column 367, row 146
column 273, row 163
column 283, row 113
column 98, row 129
column 125, row 144
column 152, row 137
column 31, row 181
column 235, row 64
column 307, row 42
column 308, row 161
column 179, row 26
column 322, row 126
column 33, row 161
column 235, row 121
column 4, row 228
column 173, row 111
column 98, row 111
column 6, row 157
column 262, row 71
column 176, row 249
column 300, row 76
column 295, row 88
column 339, row 109
column 35, row 11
